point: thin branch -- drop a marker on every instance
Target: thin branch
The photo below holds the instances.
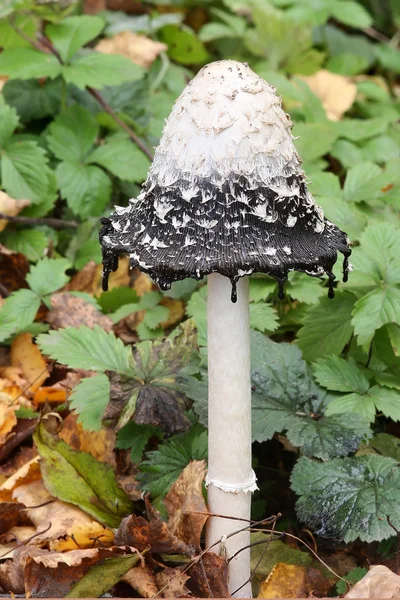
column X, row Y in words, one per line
column 376, row 35
column 55, row 223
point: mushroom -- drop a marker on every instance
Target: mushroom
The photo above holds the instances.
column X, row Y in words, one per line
column 226, row 197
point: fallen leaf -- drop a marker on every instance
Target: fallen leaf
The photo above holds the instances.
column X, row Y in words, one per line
column 293, row 581
column 209, row 577
column 26, row 356
column 154, row 534
column 84, row 535
column 22, row 430
column 171, row 583
column 100, row 444
column 49, row 395
column 185, row 501
column 142, row 580
column 8, row 420
column 379, row 582
column 28, row 473
column 13, row 538
column 138, row 48
column 14, row 267
column 9, row 206
column 336, row 92
column 68, row 310
column 14, row 375
column 176, row 312
column 90, row 278
column 10, row 515
column 142, row 283
column 3, row 81
column 19, row 458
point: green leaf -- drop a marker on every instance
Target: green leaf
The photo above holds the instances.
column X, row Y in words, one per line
column 86, row 188
column 351, row 13
column 163, row 466
column 86, row 348
column 377, row 308
column 31, row 242
column 154, row 316
column 26, row 63
column 80, row 479
column 99, row 70
column 344, row 214
column 263, row 317
column 215, row 31
column 183, row 46
column 347, row 64
column 24, row 171
column 122, row 158
column 340, row 375
column 387, row 445
column 389, row 57
column 150, row 395
column 315, row 139
column 363, row 182
column 18, row 311
column 48, row 275
column 103, row 576
column 357, row 130
column 26, row 413
column 349, row 498
column 9, row 38
column 8, row 122
column 117, row 297
column 135, row 437
column 33, row 99
column 327, row 326
column 89, row 399
column 386, row 401
column 260, row 288
column 72, row 33
column 325, row 184
column 381, row 149
column 72, row 134
column 197, row 309
column 304, row 288
column 351, row 577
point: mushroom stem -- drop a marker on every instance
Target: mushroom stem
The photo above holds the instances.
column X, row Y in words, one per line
column 230, row 477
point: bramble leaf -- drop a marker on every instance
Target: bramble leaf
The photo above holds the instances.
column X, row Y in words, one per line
column 89, row 399
column 72, row 134
column 135, row 437
column 24, row 171
column 122, row 158
column 48, row 275
column 349, row 498
column 18, row 311
column 99, row 70
column 86, row 188
column 72, row 33
column 26, row 63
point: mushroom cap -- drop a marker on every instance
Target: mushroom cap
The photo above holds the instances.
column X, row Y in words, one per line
column 225, row 192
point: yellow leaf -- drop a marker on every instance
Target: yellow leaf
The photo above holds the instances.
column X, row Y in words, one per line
column 336, row 92
column 29, row 472
column 87, row 535
column 292, row 581
column 27, row 357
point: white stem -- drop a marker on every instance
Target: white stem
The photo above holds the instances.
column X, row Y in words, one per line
column 229, row 424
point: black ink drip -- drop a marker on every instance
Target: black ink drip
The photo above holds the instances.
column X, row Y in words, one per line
column 234, row 291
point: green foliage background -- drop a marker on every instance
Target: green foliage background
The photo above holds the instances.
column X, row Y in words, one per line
column 329, row 379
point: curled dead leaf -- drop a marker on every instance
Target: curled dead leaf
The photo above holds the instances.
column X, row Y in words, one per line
column 294, row 581
column 28, row 473
column 336, row 92
column 143, row 580
column 100, row 444
column 138, row 48
column 172, row 583
column 209, row 577
column 185, row 503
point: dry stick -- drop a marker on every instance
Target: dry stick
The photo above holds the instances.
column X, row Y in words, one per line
column 55, row 223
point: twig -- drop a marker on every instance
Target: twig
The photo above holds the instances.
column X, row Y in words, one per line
column 376, row 35
column 4, row 293
column 55, row 223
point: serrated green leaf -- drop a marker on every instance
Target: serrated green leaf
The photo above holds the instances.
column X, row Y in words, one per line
column 10, row 38
column 357, row 130
column 154, row 316
column 89, row 400
column 18, row 311
column 347, row 64
column 99, row 70
column 163, row 466
column 8, row 122
column 48, row 275
column 117, row 297
column 377, row 308
column 387, row 445
column 340, row 375
column 151, row 395
column 197, row 309
column 351, row 577
column 349, row 498
column 86, row 188
column 33, row 99
column 215, row 31
column 89, row 250
column 303, row 288
column 347, row 153
column 263, row 317
column 381, row 149
column 31, row 242
column 24, row 171
column 325, row 184
column 72, row 33
column 344, row 214
column 327, row 327
column 80, row 479
column 315, row 139
column 359, row 404
column 72, row 134
column 351, row 13
column 86, row 348
column 388, row 56
column 386, row 401
column 26, row 63
column 135, row 437
column 260, row 288
column 102, row 576
column 122, row 158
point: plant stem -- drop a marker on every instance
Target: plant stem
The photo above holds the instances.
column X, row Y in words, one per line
column 55, row 223
column 229, row 424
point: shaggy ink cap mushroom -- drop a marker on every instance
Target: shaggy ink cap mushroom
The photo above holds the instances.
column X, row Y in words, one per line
column 225, row 193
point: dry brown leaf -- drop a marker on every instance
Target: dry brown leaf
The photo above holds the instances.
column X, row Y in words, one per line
column 185, row 501
column 99, row 444
column 142, row 283
column 209, row 577
column 336, row 92
column 379, row 582
column 90, row 278
column 293, row 581
column 154, row 534
column 88, row 535
column 8, row 420
column 14, row 537
column 10, row 515
column 138, row 48
column 71, row 311
column 10, row 207
column 14, row 267
column 171, row 583
column 26, row 356
column 26, row 474
column 142, row 579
